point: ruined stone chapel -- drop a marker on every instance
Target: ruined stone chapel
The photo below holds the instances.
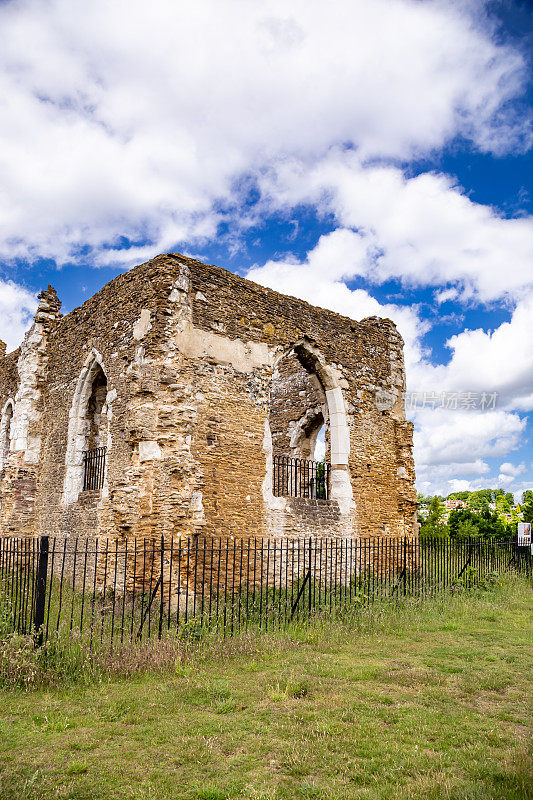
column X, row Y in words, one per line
column 182, row 399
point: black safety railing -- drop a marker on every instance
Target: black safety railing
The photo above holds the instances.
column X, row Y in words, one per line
column 118, row 591
column 94, row 468
column 297, row 477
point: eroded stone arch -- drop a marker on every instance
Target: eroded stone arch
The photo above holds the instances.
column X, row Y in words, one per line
column 330, row 409
column 88, row 424
column 6, row 419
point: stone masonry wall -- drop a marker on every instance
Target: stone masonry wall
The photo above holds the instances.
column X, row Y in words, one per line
column 22, row 462
column 368, row 360
column 189, row 352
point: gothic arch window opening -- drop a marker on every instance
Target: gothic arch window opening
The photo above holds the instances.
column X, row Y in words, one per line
column 5, row 433
column 88, row 431
column 95, row 405
column 298, row 415
column 307, row 421
column 297, row 409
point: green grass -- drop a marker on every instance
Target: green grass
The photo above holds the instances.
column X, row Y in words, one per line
column 421, row 701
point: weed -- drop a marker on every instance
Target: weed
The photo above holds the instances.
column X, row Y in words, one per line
column 290, row 687
column 225, row 706
column 77, row 768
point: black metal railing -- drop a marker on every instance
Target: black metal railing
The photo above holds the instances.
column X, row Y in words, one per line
column 94, row 468
column 297, row 477
column 106, row 591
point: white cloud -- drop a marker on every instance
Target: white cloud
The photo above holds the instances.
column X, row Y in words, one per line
column 423, row 231
column 445, row 295
column 337, row 257
column 17, row 307
column 519, row 488
column 512, row 469
column 444, row 474
column 498, row 361
column 438, row 480
column 445, row 436
column 142, row 125
column 451, row 448
column 461, row 485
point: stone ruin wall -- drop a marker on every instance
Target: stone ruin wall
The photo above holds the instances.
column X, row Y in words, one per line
column 368, row 360
column 189, row 352
column 104, row 326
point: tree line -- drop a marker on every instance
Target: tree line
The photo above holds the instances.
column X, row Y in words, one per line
column 487, row 513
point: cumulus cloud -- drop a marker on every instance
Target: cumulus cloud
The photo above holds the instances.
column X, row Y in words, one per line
column 320, row 280
column 446, row 472
column 442, row 478
column 422, row 231
column 498, row 361
column 513, row 470
column 17, row 307
column 451, row 447
column 144, row 127
column 451, row 434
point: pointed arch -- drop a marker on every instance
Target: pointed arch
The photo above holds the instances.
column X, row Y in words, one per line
column 6, row 419
column 331, row 410
column 87, row 427
column 314, row 363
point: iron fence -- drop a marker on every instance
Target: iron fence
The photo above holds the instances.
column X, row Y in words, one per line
column 297, row 477
column 94, row 468
column 109, row 590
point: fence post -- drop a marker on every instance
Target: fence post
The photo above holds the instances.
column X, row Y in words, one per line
column 405, row 565
column 161, row 569
column 310, row 552
column 40, row 591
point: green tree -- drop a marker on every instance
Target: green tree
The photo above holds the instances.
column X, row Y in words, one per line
column 503, row 506
column 433, row 525
column 436, row 509
column 457, row 518
column 433, row 530
column 479, row 500
column 527, row 505
column 487, row 522
column 491, row 526
column 467, row 529
column 459, row 495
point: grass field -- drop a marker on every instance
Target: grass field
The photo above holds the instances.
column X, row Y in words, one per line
column 427, row 700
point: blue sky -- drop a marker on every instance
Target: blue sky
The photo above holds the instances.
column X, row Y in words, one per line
column 373, row 158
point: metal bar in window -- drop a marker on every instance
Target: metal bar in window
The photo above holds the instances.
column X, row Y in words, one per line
column 295, row 477
column 94, row 468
